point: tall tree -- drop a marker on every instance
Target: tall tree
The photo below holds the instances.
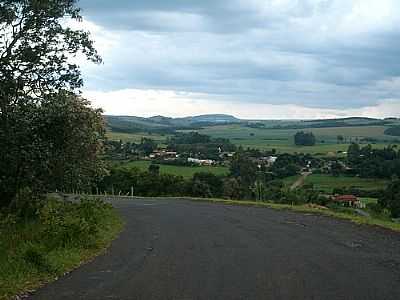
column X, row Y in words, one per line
column 390, row 199
column 71, row 134
column 36, row 47
column 353, row 153
column 302, row 138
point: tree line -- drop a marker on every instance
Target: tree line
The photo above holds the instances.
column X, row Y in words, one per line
column 374, row 163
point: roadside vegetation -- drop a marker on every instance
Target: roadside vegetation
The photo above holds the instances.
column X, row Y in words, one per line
column 58, row 238
column 374, row 220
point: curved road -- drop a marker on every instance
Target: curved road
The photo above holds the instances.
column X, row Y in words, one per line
column 181, row 250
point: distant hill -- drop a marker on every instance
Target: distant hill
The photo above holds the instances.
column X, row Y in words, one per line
column 348, row 119
column 339, row 122
column 165, row 124
column 161, row 124
column 209, row 119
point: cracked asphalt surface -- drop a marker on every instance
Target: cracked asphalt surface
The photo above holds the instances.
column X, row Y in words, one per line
column 178, row 249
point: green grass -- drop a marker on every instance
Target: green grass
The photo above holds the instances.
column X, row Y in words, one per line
column 327, row 183
column 29, row 259
column 289, row 181
column 186, row 172
column 369, row 200
column 282, row 139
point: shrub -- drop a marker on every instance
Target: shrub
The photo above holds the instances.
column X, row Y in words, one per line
column 35, row 255
column 67, row 223
column 53, row 241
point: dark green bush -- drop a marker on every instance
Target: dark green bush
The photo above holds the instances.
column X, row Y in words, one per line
column 66, row 223
column 35, row 256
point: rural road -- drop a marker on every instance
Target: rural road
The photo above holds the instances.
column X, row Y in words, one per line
column 181, row 250
column 300, row 182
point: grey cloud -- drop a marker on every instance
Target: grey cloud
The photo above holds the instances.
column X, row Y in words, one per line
column 239, row 50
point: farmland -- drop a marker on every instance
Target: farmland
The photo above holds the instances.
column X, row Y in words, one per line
column 186, row 172
column 260, row 134
column 134, row 137
column 327, row 183
column 282, row 139
column 279, row 139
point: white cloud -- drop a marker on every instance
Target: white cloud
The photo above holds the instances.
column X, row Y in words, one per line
column 179, row 104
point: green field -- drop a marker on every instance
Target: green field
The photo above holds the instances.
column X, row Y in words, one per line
column 135, row 137
column 327, row 183
column 282, row 139
column 186, row 172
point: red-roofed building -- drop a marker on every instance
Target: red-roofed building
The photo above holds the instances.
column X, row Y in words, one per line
column 347, row 200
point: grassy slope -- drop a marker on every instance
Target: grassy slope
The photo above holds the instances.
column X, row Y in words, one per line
column 21, row 276
column 186, row 172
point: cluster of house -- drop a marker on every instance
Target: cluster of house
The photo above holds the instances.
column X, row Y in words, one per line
column 164, row 154
column 201, row 162
column 173, row 155
column 348, row 201
column 344, row 200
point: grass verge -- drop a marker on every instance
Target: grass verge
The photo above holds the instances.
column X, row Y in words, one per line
column 310, row 208
column 305, row 208
column 61, row 237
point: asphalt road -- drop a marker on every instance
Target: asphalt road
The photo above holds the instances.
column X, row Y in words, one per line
column 175, row 249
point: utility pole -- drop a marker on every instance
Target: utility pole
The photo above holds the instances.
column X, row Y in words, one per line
column 259, row 184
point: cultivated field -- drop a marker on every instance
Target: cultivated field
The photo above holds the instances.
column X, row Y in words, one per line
column 135, row 137
column 282, row 139
column 186, row 172
column 327, row 183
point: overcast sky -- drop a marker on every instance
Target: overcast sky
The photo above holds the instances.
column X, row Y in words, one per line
column 249, row 58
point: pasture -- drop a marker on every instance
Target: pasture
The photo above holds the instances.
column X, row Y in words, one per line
column 282, row 139
column 186, row 172
column 327, row 183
